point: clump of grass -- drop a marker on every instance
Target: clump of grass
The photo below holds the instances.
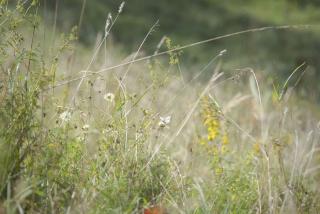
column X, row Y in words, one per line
column 19, row 97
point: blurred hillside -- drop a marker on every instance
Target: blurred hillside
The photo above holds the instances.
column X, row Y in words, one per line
column 187, row 21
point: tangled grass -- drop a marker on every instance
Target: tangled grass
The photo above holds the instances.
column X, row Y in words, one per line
column 145, row 137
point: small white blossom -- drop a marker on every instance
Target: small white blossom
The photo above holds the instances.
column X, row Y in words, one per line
column 109, row 97
column 80, row 138
column 164, row 121
column 65, row 116
column 110, row 16
column 85, row 127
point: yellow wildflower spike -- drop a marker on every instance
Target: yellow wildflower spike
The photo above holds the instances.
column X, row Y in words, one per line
column 225, row 139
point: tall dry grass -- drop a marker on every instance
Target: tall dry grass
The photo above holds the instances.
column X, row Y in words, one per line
column 92, row 133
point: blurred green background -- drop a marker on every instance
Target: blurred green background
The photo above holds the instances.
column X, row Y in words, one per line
column 185, row 21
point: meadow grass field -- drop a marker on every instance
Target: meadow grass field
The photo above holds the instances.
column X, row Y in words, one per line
column 92, row 130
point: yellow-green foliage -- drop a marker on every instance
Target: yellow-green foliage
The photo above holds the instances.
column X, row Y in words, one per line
column 174, row 56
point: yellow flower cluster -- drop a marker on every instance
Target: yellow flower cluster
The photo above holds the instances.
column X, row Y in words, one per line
column 217, row 140
column 210, row 114
column 174, row 55
column 256, row 148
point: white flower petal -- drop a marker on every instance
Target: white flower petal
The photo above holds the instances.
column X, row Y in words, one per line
column 65, row 116
column 109, row 97
column 164, row 121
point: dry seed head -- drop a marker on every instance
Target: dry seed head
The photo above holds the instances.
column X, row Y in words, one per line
column 222, row 52
column 108, row 22
column 121, row 7
column 110, row 16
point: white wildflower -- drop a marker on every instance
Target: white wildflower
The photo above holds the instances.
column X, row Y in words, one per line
column 109, row 97
column 121, row 7
column 86, row 127
column 164, row 121
column 139, row 135
column 65, row 116
column 80, row 138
